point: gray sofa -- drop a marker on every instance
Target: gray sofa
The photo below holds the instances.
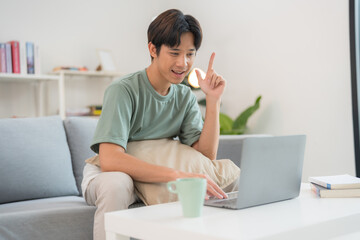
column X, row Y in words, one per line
column 42, row 160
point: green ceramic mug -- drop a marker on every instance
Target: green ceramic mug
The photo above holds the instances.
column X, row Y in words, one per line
column 191, row 193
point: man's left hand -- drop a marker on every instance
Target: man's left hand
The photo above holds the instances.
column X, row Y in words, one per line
column 212, row 85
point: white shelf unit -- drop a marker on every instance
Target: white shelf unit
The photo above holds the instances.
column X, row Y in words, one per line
column 10, row 77
column 39, row 80
column 64, row 74
column 59, row 76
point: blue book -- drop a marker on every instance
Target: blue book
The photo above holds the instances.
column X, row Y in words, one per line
column 8, row 57
column 30, row 57
column 344, row 181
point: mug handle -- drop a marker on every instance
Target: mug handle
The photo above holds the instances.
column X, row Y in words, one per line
column 170, row 187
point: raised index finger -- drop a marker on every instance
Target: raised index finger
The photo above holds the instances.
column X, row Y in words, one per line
column 211, row 62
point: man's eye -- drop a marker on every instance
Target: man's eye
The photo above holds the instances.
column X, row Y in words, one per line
column 174, row 53
column 190, row 54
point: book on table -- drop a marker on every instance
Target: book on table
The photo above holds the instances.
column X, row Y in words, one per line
column 323, row 192
column 344, row 181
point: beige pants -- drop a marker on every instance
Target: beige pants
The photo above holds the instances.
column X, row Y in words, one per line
column 112, row 191
column 108, row 191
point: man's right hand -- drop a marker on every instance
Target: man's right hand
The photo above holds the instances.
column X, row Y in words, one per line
column 212, row 189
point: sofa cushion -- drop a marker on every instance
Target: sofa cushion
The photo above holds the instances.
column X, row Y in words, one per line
column 79, row 132
column 35, row 159
column 50, row 218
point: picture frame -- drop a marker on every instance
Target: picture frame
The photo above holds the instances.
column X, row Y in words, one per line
column 107, row 63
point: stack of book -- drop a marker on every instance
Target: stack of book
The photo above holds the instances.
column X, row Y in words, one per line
column 20, row 57
column 337, row 186
column 95, row 110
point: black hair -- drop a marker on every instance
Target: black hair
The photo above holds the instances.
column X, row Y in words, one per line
column 168, row 27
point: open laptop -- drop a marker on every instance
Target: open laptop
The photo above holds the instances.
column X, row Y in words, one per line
column 271, row 170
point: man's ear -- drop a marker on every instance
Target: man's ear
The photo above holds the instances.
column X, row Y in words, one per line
column 152, row 50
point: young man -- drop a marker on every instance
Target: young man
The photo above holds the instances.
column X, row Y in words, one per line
column 152, row 104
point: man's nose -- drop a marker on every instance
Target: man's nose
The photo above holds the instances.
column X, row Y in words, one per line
column 181, row 61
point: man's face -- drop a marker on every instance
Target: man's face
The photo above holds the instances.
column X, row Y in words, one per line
column 174, row 63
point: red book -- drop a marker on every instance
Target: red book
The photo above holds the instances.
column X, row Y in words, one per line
column 15, row 52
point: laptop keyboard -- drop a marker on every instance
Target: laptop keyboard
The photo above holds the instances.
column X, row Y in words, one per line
column 226, row 202
column 232, row 198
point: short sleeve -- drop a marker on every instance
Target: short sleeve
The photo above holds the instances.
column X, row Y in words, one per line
column 114, row 122
column 192, row 124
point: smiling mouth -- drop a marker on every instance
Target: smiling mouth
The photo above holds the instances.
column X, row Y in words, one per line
column 178, row 73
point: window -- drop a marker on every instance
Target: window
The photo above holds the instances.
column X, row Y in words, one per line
column 354, row 24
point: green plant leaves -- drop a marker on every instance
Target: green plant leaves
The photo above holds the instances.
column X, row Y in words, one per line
column 226, row 122
column 241, row 120
column 230, row 127
column 232, row 132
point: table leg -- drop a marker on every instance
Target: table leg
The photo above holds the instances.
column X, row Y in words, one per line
column 115, row 236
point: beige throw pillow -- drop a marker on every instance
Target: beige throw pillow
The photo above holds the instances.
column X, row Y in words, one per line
column 173, row 154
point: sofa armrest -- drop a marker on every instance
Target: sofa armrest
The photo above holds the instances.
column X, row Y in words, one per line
column 230, row 146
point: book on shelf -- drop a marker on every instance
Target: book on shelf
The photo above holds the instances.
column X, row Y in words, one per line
column 323, row 192
column 15, row 53
column 37, row 60
column 95, row 110
column 30, row 58
column 344, row 181
column 2, row 58
column 8, row 58
column 23, row 66
column 20, row 57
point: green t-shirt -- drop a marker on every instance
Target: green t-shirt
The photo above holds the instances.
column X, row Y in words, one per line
column 134, row 111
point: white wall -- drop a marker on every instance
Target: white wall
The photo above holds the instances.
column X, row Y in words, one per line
column 295, row 53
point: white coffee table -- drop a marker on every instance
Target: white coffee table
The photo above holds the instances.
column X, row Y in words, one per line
column 306, row 217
